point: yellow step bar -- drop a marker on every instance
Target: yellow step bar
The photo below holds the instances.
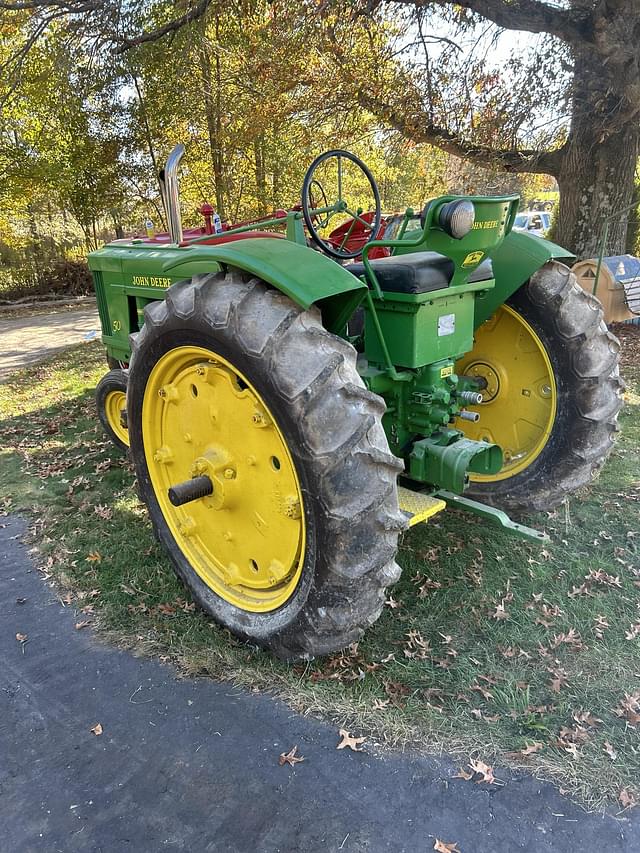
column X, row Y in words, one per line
column 418, row 506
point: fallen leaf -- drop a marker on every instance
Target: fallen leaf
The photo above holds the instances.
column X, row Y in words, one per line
column 484, row 770
column 500, row 612
column 97, row 729
column 462, row 774
column 610, row 750
column 83, row 624
column 290, row 757
column 21, row 638
column 536, row 746
column 626, row 799
column 443, row 847
column 572, row 749
column 352, row 742
column 94, row 557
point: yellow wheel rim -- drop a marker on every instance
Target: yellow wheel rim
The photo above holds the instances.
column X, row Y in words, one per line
column 114, row 405
column 202, row 417
column 520, row 398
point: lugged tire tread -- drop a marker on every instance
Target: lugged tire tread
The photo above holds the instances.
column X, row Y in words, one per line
column 359, row 529
column 591, row 355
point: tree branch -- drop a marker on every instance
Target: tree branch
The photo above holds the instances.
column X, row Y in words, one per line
column 173, row 26
column 532, row 16
column 419, row 130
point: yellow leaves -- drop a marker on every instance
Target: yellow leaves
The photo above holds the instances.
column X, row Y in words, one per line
column 96, row 730
column 353, row 743
column 290, row 757
column 94, row 557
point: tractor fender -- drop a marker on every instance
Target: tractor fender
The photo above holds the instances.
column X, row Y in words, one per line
column 304, row 275
column 514, row 262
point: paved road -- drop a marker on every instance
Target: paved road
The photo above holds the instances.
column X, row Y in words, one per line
column 26, row 340
column 191, row 765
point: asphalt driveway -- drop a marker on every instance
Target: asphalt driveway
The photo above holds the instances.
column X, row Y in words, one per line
column 192, row 765
column 27, row 340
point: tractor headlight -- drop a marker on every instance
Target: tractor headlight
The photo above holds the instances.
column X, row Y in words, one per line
column 457, row 218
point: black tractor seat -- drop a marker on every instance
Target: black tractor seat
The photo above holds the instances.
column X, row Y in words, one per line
column 420, row 272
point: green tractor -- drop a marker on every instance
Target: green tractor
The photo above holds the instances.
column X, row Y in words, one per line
column 290, row 412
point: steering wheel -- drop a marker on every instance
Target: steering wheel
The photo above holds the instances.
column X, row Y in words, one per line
column 312, row 216
column 316, row 193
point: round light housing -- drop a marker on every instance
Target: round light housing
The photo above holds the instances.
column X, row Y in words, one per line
column 457, row 218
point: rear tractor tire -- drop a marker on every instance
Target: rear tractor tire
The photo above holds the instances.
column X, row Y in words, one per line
column 111, row 403
column 242, row 401
column 552, row 391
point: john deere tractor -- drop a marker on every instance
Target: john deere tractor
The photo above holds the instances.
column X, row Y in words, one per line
column 290, row 412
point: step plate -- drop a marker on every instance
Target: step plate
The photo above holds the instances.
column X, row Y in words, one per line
column 418, row 506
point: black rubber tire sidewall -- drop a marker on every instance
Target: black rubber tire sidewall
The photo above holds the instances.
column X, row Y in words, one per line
column 244, row 623
column 114, row 380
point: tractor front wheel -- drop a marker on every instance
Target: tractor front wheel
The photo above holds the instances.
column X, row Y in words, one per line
column 264, row 465
column 111, row 403
column 551, row 391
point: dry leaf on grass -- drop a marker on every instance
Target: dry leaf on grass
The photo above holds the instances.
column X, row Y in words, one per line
column 94, row 557
column 536, row 746
column 352, row 742
column 500, row 612
column 627, row 800
column 85, row 623
column 610, row 750
column 290, row 757
column 443, row 847
column 97, row 729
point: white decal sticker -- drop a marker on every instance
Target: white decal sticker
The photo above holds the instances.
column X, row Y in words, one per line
column 446, row 325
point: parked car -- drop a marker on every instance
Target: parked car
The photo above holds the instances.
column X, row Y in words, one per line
column 536, row 222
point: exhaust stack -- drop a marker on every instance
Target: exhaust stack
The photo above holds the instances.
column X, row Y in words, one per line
column 171, row 193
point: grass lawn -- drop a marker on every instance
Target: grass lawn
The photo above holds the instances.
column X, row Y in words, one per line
column 489, row 648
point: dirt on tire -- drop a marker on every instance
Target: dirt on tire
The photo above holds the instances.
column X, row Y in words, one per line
column 333, row 428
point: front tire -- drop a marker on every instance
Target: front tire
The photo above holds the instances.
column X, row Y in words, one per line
column 219, row 348
column 553, row 391
column 111, row 399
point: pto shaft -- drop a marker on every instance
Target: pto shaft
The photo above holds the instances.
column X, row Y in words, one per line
column 190, row 490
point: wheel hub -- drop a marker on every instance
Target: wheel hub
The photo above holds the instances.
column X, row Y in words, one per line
column 484, row 371
column 202, row 419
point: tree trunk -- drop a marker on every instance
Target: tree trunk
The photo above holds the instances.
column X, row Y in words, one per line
column 597, row 171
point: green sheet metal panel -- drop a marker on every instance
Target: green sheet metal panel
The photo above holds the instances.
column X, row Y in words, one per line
column 514, row 261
